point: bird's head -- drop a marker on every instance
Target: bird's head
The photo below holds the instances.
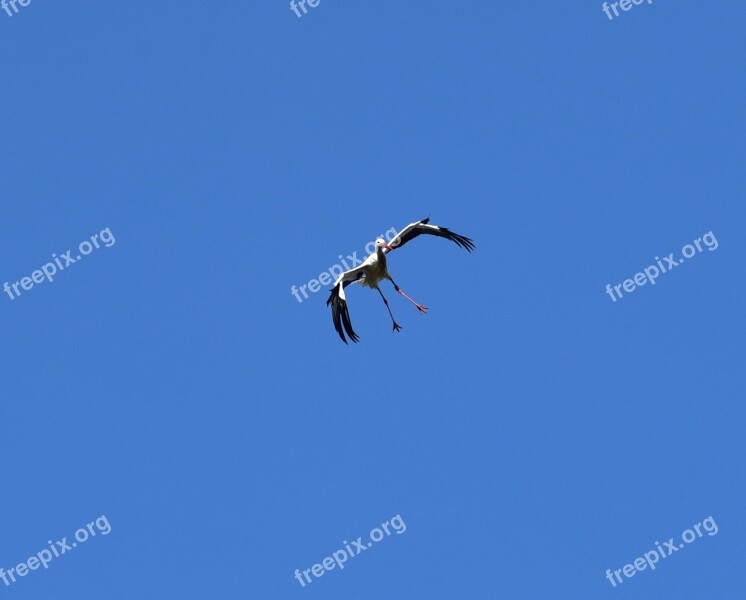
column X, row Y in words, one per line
column 381, row 243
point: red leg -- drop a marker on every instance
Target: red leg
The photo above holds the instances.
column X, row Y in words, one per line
column 422, row 309
column 397, row 327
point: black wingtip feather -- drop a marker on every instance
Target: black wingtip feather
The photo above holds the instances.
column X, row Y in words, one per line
column 341, row 316
column 462, row 241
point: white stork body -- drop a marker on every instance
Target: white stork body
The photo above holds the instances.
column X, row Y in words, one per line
column 374, row 270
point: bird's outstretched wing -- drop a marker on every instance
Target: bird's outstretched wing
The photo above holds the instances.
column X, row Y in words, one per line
column 338, row 302
column 412, row 230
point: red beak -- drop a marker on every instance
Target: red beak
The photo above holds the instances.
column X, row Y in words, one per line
column 385, row 245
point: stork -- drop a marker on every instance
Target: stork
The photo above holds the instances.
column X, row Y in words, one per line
column 374, row 270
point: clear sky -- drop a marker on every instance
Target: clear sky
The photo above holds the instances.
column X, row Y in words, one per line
column 530, row 432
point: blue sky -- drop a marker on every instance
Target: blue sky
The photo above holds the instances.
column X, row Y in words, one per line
column 529, row 431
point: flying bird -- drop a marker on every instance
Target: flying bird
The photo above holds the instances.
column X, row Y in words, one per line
column 374, row 269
